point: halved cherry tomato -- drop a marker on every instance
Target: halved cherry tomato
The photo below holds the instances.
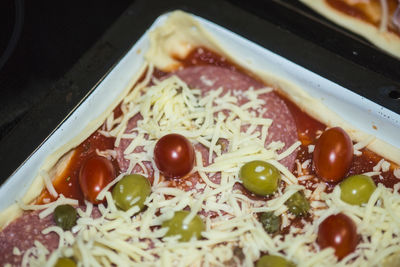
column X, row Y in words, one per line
column 174, row 155
column 94, row 175
column 339, row 232
column 333, row 154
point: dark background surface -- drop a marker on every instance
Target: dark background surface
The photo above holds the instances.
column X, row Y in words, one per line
column 63, row 48
column 53, row 35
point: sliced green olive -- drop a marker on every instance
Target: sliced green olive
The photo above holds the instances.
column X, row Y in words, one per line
column 270, row 222
column 186, row 231
column 65, row 216
column 357, row 189
column 130, row 191
column 298, row 204
column 65, row 262
column 274, row 261
column 260, row 177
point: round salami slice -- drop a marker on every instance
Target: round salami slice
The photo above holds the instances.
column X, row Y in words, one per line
column 21, row 234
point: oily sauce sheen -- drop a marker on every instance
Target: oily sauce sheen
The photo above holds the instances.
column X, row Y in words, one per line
column 308, row 130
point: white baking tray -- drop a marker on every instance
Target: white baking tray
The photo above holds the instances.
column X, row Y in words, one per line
column 361, row 112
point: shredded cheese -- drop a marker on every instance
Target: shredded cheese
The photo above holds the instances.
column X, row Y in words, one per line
column 231, row 135
column 364, row 143
column 49, row 207
column 48, row 183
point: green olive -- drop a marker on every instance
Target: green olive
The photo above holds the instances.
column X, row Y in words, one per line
column 260, row 177
column 65, row 262
column 131, row 190
column 186, row 231
column 270, row 222
column 274, row 261
column 298, row 204
column 65, row 216
column 357, row 189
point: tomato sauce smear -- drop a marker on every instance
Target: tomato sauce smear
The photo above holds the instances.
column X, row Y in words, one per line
column 362, row 11
column 67, row 183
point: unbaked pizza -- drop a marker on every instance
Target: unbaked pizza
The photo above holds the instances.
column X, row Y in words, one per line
column 378, row 21
column 203, row 162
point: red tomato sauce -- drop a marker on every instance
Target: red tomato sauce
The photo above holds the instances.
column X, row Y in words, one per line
column 352, row 11
column 307, row 128
column 68, row 182
column 203, row 56
column 358, row 11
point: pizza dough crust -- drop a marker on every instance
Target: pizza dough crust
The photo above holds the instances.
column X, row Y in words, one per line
column 388, row 41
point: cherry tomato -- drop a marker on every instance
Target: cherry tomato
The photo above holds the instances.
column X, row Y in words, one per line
column 339, row 232
column 94, row 175
column 333, row 154
column 174, row 155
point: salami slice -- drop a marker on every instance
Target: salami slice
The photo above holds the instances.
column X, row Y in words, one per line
column 21, row 234
column 122, row 162
column 283, row 127
column 209, row 78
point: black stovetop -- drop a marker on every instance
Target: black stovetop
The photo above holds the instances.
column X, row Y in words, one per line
column 54, row 52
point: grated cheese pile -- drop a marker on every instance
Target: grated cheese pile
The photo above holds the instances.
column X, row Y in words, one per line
column 106, row 236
